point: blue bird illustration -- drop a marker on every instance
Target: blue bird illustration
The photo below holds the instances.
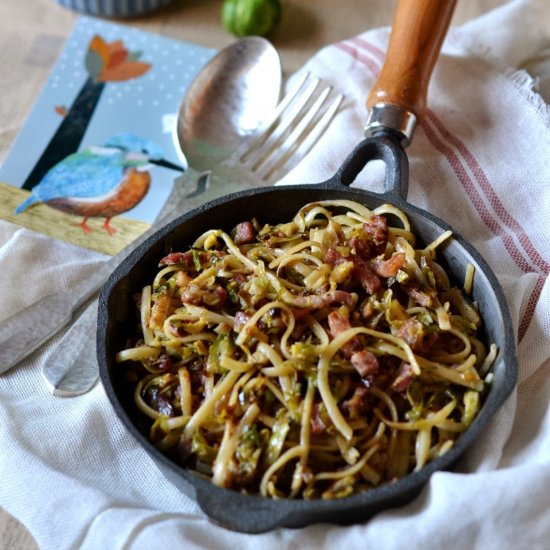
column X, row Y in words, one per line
column 102, row 181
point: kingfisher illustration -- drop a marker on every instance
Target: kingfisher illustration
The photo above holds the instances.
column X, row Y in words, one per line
column 101, row 181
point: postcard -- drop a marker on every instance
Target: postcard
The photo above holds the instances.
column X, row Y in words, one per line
column 96, row 159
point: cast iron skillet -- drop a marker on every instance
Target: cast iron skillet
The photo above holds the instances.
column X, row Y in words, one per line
column 429, row 20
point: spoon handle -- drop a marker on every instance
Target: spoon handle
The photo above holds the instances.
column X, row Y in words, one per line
column 418, row 30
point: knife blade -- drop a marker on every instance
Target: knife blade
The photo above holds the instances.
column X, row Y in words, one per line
column 23, row 333
column 71, row 369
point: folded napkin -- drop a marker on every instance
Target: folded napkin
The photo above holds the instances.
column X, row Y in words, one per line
column 480, row 160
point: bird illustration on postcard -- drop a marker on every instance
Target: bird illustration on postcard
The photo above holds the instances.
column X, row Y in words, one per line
column 103, row 163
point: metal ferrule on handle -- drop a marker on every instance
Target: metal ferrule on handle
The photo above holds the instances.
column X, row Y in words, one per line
column 384, row 116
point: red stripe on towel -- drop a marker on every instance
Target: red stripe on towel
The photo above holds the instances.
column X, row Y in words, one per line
column 490, row 193
column 356, row 54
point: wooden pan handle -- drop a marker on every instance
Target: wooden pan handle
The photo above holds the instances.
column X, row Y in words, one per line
column 418, row 30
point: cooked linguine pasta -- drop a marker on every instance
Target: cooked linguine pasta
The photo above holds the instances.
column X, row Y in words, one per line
column 311, row 359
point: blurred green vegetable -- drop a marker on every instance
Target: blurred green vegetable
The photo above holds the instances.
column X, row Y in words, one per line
column 250, row 17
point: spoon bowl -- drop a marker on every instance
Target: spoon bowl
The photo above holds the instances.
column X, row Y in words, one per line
column 228, row 101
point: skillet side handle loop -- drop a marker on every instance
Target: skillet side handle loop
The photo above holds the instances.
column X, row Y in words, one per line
column 387, row 149
column 418, row 30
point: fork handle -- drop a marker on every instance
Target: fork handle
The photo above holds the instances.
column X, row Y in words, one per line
column 418, row 30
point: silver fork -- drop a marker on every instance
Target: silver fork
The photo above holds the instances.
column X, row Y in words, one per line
column 71, row 368
column 298, row 122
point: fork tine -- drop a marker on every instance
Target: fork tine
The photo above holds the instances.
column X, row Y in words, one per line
column 292, row 128
column 288, row 134
column 283, row 126
column 281, row 109
column 306, row 136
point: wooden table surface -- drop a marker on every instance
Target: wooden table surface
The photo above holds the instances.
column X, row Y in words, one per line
column 32, row 33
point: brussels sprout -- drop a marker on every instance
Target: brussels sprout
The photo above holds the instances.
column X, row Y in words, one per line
column 250, row 17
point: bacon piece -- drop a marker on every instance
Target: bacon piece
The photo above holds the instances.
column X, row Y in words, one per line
column 177, row 258
column 341, row 297
column 363, row 360
column 158, row 400
column 356, row 405
column 314, row 301
column 299, row 313
column 164, row 406
column 390, row 267
column 241, row 278
column 333, row 257
column 366, row 276
column 215, row 297
column 317, row 424
column 424, row 298
column 377, row 229
column 366, row 364
column 186, row 258
column 177, row 330
column 412, row 332
column 338, row 323
column 212, row 297
column 404, row 378
column 362, row 249
column 245, row 233
column 191, row 295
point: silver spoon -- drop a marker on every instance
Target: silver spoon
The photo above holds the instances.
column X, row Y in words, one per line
column 217, row 112
column 229, row 100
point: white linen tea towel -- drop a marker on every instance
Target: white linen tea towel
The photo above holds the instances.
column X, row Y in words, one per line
column 72, row 474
